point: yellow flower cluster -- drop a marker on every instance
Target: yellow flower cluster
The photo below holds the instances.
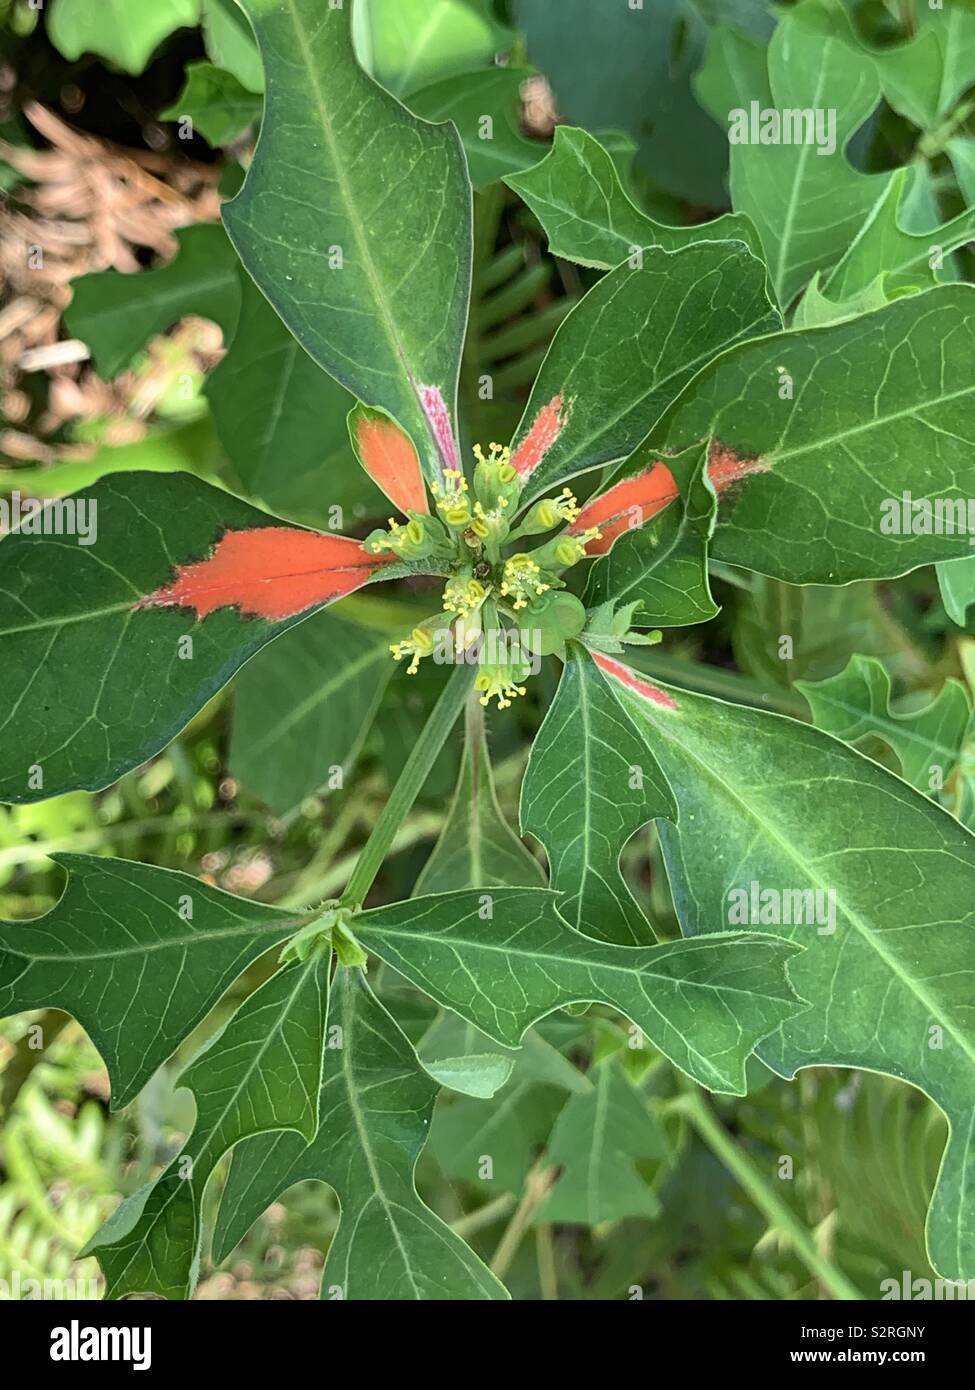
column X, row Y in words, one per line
column 521, row 581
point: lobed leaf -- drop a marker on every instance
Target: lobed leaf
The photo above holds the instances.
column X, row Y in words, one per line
column 505, row 959
column 376, row 1106
column 138, row 955
column 261, row 1073
column 590, row 784
column 889, row 961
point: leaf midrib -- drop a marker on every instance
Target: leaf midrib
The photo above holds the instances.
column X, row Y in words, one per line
column 365, row 1142
column 478, row 943
column 171, row 943
column 386, row 316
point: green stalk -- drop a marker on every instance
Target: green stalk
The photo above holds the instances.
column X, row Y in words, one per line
column 421, row 760
column 778, row 1213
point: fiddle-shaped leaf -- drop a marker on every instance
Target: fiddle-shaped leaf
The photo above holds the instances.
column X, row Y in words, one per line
column 261, row 1073
column 138, row 955
column 588, row 217
column 821, row 846
column 934, row 744
column 589, row 785
column 376, row 1106
column 883, row 246
column 117, row 30
column 504, row 959
column 804, row 196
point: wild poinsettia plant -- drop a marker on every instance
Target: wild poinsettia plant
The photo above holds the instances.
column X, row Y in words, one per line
column 692, row 416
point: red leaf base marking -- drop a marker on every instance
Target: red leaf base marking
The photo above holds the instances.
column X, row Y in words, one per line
column 270, row 572
column 634, row 682
column 546, row 428
column 634, row 501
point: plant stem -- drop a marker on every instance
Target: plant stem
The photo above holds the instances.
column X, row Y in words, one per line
column 548, row 1280
column 410, row 783
column 537, row 1185
column 484, row 1216
column 779, row 1214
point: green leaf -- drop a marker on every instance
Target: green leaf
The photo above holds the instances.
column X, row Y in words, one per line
column 771, row 806
column 406, row 44
column 596, row 1142
column 588, row 787
column 855, row 705
column 826, row 625
column 661, row 567
column 470, row 100
column 375, row 1114
column 303, row 709
column 110, row 648
column 125, row 33
column 611, row 377
column 588, row 217
column 957, row 583
column 358, row 230
column 509, row 1129
column 505, row 959
column 451, row 1045
column 230, row 43
column 807, row 206
column 815, row 309
column 216, row 104
column 191, row 448
column 261, row 1073
column 829, row 427
column 961, row 152
column 116, row 314
column 924, row 77
column 138, row 955
column 883, row 246
column 477, row 848
column 478, row 1074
